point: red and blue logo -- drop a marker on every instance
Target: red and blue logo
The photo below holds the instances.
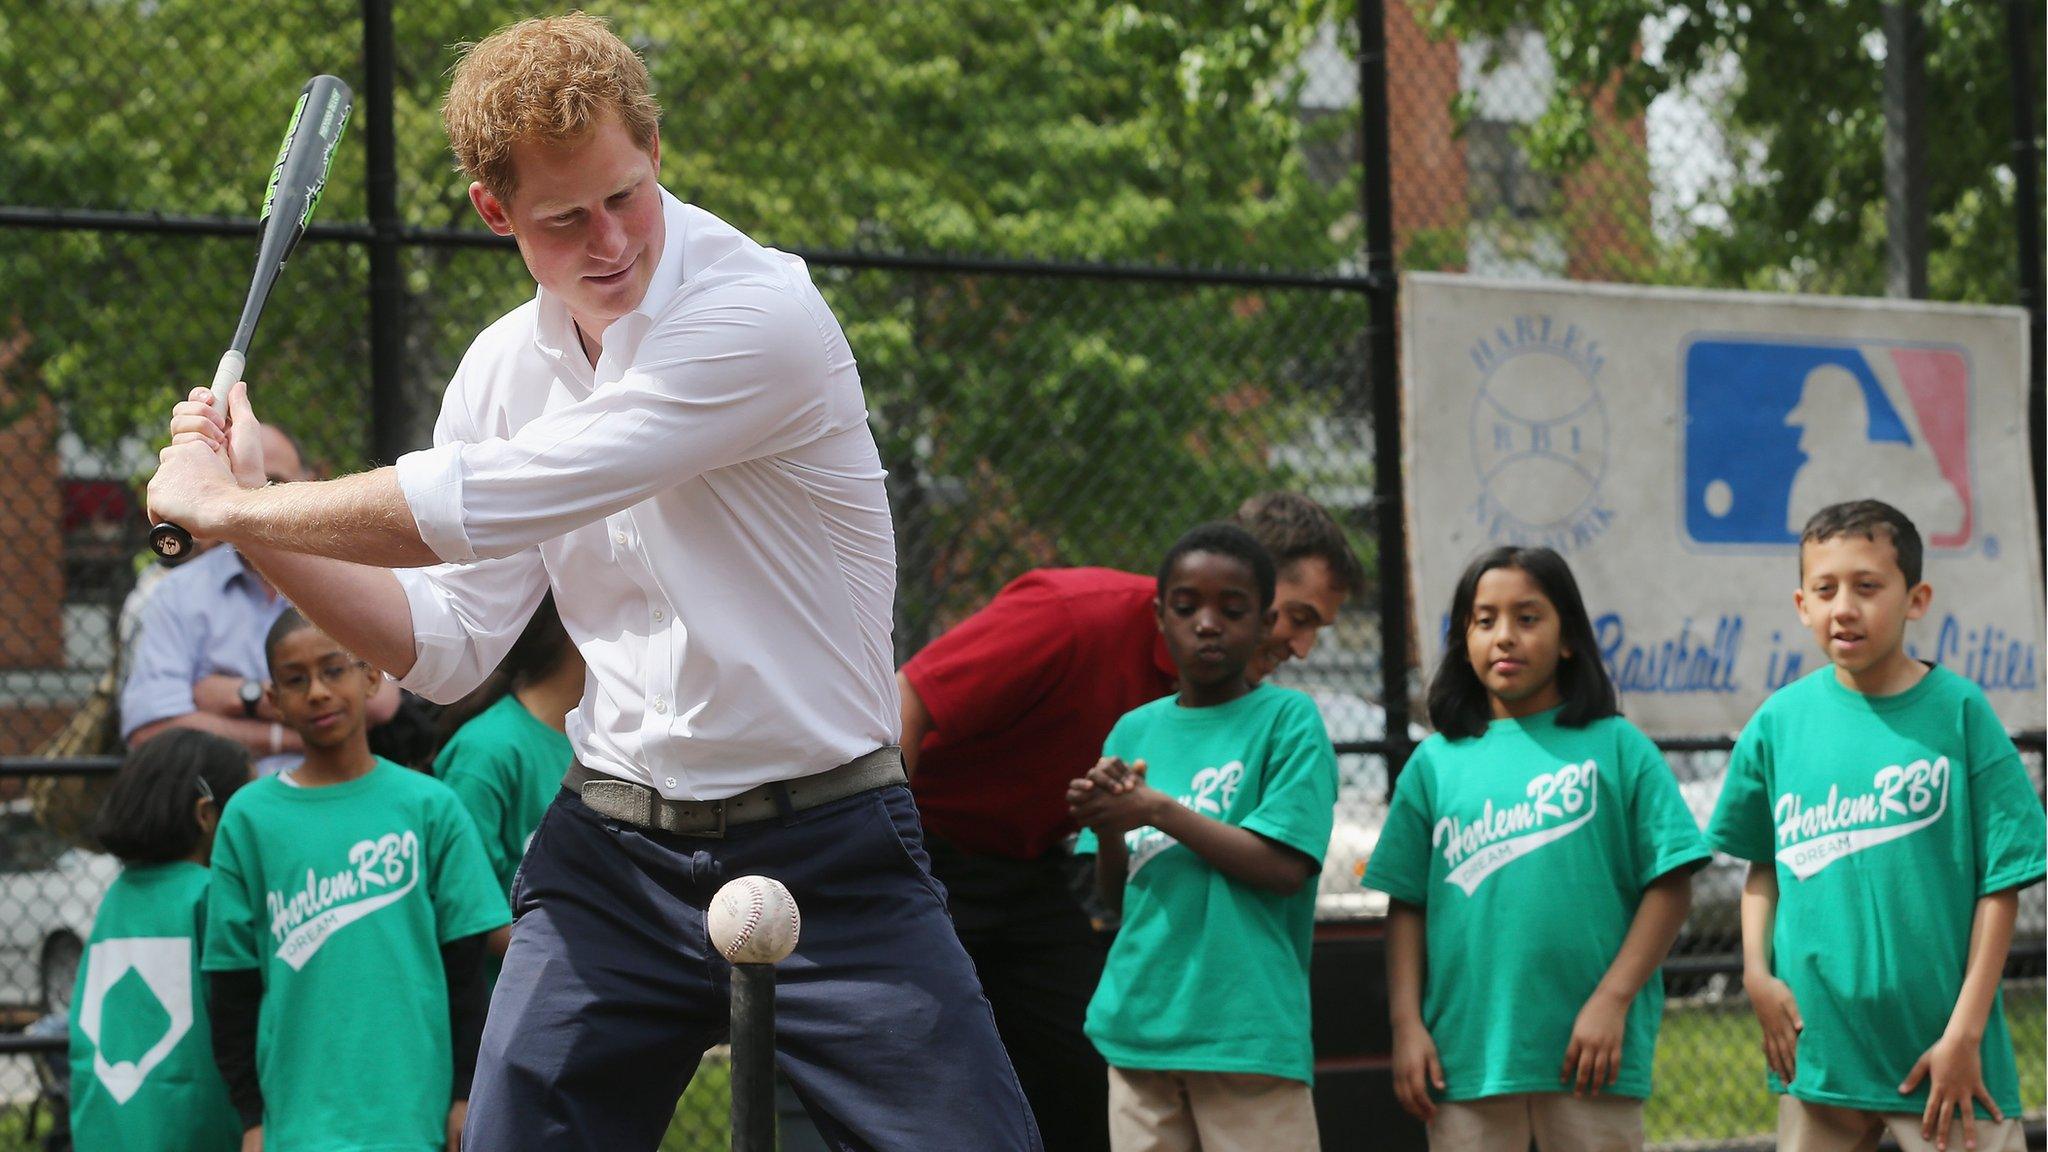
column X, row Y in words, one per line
column 1777, row 430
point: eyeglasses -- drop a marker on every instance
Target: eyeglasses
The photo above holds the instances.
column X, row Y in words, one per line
column 333, row 675
column 205, row 789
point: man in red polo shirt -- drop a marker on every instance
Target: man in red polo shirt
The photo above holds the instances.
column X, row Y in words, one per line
column 1000, row 713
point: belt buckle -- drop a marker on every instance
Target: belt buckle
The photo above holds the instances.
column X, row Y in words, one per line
column 717, row 833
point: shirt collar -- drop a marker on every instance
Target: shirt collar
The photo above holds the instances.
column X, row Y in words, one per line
column 237, row 570
column 555, row 333
column 223, row 566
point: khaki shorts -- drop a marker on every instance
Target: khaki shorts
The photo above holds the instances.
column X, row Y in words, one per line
column 1555, row 1121
column 1807, row 1127
column 1209, row 1111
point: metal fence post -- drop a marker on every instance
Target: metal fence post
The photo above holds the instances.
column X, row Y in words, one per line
column 1382, row 371
column 390, row 422
column 2026, row 169
column 1905, row 150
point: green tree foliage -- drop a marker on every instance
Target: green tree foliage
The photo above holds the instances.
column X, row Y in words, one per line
column 172, row 107
column 1018, row 415
column 1805, row 123
column 1024, row 419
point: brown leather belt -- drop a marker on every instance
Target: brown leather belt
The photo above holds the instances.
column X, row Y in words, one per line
column 643, row 807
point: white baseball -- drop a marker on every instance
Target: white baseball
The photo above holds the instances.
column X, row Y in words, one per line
column 753, row 920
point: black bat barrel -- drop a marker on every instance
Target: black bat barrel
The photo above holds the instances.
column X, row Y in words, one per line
column 288, row 202
column 296, row 180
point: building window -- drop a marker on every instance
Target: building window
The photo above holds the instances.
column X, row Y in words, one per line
column 1503, row 183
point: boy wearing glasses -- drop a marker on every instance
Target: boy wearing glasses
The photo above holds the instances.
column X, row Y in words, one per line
column 345, row 933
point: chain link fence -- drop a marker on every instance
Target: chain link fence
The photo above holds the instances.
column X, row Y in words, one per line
column 1104, row 265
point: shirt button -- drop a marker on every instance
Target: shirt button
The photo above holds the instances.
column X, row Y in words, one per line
column 661, row 705
column 657, row 615
column 619, row 538
column 671, row 781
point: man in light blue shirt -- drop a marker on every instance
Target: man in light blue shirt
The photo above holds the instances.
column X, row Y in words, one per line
column 198, row 657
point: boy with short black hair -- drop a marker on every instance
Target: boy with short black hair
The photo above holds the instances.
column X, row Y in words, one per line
column 1889, row 825
column 1213, row 806
column 345, row 934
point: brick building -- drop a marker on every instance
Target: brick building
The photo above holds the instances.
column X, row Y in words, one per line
column 1472, row 201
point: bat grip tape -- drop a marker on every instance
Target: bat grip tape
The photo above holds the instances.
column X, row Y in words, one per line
column 231, row 364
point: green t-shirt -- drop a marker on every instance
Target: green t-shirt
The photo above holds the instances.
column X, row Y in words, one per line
column 1528, row 849
column 1888, row 818
column 1208, row 974
column 341, row 897
column 142, row 1071
column 505, row 767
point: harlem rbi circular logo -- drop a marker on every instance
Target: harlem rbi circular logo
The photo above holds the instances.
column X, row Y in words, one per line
column 1539, row 434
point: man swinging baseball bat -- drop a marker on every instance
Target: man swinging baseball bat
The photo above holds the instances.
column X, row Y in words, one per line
column 672, row 436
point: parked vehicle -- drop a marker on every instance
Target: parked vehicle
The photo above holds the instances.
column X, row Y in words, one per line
column 49, row 891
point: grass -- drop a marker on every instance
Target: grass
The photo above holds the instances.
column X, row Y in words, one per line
column 14, row 1130
column 703, row 1120
column 1710, row 1068
column 1710, row 1079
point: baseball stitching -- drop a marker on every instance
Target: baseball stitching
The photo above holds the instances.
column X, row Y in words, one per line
column 755, row 909
column 756, row 904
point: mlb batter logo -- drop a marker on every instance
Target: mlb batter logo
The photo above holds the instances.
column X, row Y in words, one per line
column 1777, row 430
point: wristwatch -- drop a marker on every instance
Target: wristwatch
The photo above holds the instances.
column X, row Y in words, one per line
column 251, row 693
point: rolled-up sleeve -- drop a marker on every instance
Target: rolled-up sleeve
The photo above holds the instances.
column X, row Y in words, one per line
column 738, row 372
column 432, row 482
column 465, row 616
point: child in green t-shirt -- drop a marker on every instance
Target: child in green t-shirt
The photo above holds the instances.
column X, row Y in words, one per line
column 1212, row 809
column 1889, row 827
column 142, row 1072
column 345, row 935
column 1539, row 857
column 508, row 750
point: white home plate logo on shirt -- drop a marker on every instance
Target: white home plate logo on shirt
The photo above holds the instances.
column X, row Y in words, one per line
column 1811, row 837
column 165, row 965
column 1500, row 836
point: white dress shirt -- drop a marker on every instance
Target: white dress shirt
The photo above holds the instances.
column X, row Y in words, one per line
column 707, row 503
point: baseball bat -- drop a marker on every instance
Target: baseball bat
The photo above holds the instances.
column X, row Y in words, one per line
column 288, row 202
column 753, row 1058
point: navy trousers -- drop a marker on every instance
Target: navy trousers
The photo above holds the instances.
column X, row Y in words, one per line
column 611, row 990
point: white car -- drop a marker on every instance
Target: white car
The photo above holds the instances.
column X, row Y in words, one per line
column 49, row 891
